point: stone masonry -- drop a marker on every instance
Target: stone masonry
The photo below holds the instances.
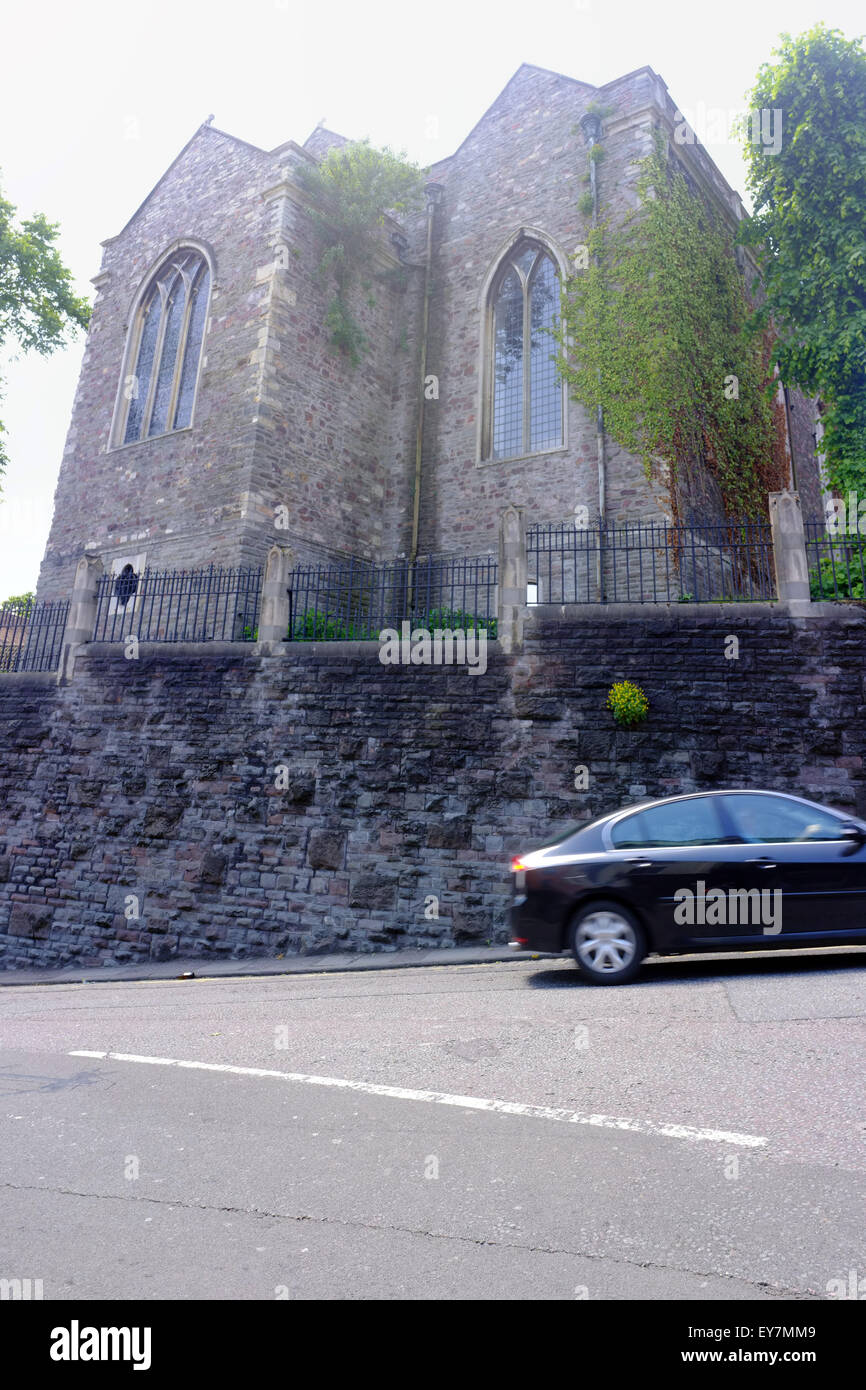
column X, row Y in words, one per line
column 226, row 800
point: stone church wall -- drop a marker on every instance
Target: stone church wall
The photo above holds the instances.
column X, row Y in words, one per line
column 334, row 441
column 523, row 166
column 290, row 441
column 178, row 499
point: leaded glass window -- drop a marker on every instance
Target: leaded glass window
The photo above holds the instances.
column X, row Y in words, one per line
column 169, row 328
column 524, row 403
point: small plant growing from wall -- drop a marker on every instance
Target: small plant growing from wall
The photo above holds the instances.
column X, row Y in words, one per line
column 628, row 704
column 352, row 191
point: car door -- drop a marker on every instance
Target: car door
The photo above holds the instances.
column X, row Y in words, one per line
column 667, row 858
column 801, row 847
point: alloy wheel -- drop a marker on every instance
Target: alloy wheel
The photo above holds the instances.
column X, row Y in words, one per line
column 605, row 942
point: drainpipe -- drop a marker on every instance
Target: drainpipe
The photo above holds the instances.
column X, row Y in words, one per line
column 789, row 427
column 590, row 125
column 433, row 193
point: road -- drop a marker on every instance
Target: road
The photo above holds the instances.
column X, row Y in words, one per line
column 699, row 1134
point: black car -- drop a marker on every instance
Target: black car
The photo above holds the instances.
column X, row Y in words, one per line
column 714, row 871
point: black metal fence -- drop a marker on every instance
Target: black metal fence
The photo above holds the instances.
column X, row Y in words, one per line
column 837, row 563
column 208, row 605
column 635, row 562
column 31, row 635
column 650, row 562
column 356, row 600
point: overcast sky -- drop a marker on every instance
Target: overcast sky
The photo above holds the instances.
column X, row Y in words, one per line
column 97, row 97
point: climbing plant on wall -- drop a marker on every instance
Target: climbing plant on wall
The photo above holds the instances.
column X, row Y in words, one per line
column 351, row 191
column 657, row 331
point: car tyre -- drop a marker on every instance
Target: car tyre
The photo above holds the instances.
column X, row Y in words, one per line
column 608, row 943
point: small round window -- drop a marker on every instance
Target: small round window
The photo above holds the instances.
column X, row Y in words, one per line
column 125, row 585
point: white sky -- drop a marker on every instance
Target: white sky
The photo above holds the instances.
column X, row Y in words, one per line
column 97, row 98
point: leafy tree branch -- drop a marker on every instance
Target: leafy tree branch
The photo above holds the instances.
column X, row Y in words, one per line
column 38, row 307
column 809, row 230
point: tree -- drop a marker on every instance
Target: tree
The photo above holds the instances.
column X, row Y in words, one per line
column 809, row 228
column 37, row 305
column 655, row 330
column 352, row 190
column 19, row 600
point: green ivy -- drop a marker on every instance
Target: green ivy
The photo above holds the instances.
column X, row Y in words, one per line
column 352, row 191
column 655, row 331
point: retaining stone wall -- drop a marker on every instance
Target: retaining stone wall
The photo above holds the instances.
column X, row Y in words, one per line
column 157, row 778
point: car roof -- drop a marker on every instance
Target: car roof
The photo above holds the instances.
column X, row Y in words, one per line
column 598, row 827
column 648, row 802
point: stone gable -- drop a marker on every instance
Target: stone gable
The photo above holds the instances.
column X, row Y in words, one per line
column 283, row 423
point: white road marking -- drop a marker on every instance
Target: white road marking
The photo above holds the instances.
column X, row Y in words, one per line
column 499, row 1107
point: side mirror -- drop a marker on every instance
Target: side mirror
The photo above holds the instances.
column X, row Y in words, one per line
column 853, row 832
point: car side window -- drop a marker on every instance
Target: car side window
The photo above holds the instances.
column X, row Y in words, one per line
column 776, row 820
column 680, row 823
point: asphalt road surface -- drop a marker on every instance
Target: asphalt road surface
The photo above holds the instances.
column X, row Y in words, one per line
column 699, row 1134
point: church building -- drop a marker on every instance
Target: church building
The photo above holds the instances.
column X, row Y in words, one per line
column 214, row 416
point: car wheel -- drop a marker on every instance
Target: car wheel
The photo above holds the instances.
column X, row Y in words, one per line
column 608, row 943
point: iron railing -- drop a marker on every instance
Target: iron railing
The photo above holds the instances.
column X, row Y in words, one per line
column 31, row 635
column 650, row 562
column 208, row 605
column 837, row 563
column 356, row 600
column 636, row 562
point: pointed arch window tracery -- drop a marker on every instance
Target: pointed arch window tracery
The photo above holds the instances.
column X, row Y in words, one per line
column 524, row 396
column 167, row 334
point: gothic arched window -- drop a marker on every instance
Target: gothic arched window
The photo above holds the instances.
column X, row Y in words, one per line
column 523, row 413
column 159, row 386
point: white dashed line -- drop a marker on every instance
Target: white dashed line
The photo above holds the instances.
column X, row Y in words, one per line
column 499, row 1107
